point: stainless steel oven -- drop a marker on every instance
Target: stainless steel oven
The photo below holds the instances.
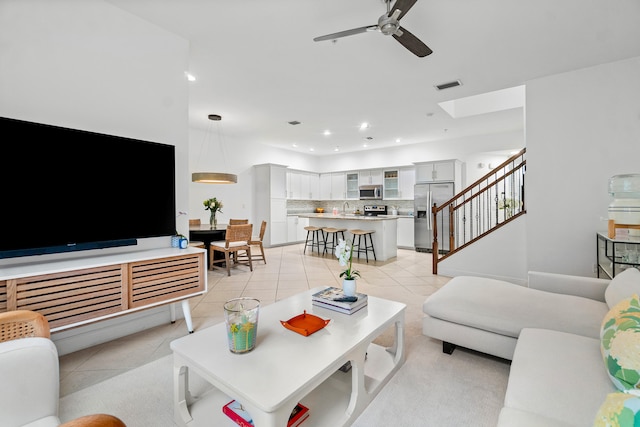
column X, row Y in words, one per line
column 370, row 192
column 370, row 210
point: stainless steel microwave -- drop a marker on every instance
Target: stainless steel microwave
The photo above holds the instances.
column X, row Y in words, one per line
column 370, row 192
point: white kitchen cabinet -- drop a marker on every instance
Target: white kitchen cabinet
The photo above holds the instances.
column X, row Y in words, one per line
column 390, row 185
column 445, row 170
column 333, row 186
column 325, row 186
column 293, row 184
column 405, row 233
column 398, row 183
column 292, row 229
column 314, row 186
column 407, row 181
column 301, row 233
column 302, row 185
column 353, row 184
column 270, row 200
column 338, row 186
column 370, row 177
column 295, row 229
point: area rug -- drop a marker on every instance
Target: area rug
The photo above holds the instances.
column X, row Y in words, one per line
column 430, row 389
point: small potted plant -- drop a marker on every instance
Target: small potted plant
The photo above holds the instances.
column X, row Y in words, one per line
column 344, row 253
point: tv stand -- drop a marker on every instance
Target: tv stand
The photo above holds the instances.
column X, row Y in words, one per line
column 76, row 292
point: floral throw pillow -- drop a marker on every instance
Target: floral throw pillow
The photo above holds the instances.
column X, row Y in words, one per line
column 619, row 410
column 620, row 343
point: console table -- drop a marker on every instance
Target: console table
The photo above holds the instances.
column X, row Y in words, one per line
column 79, row 291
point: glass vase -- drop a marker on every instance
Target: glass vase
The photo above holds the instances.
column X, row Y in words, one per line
column 213, row 221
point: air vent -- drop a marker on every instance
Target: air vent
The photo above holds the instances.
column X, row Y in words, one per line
column 448, row 85
column 294, row 122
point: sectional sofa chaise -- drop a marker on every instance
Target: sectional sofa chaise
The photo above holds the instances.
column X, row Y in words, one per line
column 561, row 370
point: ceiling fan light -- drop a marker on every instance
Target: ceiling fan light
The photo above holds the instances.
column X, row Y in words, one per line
column 214, row 178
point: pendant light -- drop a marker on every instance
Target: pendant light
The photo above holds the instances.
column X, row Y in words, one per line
column 213, row 177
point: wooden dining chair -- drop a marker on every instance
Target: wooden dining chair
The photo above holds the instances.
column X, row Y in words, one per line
column 236, row 240
column 236, row 221
column 257, row 242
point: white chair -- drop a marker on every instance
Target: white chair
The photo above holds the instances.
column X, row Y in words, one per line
column 29, row 376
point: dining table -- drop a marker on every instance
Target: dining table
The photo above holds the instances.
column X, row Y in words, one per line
column 207, row 233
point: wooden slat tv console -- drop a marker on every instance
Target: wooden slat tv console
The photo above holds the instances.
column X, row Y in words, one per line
column 72, row 293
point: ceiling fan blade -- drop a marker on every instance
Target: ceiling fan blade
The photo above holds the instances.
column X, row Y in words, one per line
column 346, row 33
column 403, row 6
column 412, row 43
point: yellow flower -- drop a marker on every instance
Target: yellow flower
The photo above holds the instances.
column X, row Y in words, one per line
column 625, row 348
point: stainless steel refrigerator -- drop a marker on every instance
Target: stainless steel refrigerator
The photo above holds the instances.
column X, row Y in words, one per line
column 425, row 195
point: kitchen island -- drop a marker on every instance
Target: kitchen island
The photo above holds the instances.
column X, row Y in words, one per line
column 386, row 230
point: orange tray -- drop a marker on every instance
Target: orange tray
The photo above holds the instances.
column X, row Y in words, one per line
column 305, row 324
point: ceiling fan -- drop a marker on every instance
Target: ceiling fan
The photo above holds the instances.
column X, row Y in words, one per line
column 389, row 24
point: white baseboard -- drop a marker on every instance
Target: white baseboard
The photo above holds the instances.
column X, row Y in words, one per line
column 70, row 340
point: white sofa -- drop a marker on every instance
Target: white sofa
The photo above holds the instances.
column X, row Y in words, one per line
column 549, row 330
column 29, row 387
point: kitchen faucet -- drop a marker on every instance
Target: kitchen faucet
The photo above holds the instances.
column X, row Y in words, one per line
column 344, row 210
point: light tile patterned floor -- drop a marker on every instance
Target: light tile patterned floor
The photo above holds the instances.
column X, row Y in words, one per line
column 288, row 271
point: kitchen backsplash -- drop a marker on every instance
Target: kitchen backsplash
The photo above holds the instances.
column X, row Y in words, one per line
column 405, row 207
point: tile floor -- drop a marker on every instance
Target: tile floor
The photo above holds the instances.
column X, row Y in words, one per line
column 288, row 271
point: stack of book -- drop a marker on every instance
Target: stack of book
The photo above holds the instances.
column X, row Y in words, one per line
column 240, row 416
column 335, row 299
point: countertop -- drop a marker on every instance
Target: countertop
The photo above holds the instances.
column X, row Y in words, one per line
column 347, row 216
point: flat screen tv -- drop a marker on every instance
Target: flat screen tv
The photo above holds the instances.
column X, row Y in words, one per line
column 66, row 190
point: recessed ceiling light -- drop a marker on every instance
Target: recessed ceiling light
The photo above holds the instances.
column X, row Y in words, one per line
column 336, row 149
column 311, row 149
column 364, row 125
column 397, row 140
column 294, row 145
column 365, row 145
column 327, row 132
column 190, row 77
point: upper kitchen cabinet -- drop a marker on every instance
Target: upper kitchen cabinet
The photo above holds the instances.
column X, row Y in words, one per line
column 407, row 181
column 333, row 186
column 398, row 183
column 303, row 185
column 370, row 177
column 390, row 185
column 352, row 180
column 270, row 201
column 445, row 170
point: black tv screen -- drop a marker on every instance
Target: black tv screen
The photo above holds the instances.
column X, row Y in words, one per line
column 68, row 190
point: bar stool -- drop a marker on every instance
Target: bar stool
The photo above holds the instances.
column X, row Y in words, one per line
column 358, row 248
column 314, row 241
column 330, row 245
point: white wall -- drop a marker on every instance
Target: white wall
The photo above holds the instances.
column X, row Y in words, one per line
column 582, row 128
column 500, row 255
column 88, row 65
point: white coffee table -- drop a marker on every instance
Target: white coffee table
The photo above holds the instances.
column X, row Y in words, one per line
column 286, row 367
